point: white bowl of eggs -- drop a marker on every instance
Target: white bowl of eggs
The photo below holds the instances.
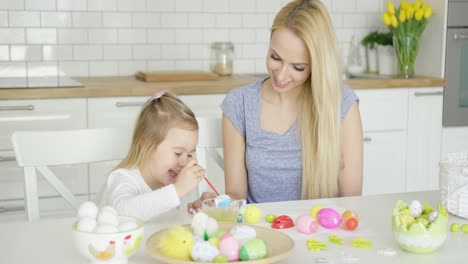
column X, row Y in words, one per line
column 100, row 235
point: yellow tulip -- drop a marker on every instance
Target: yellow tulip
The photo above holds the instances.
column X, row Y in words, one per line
column 390, row 8
column 394, row 21
column 418, row 15
column 428, row 13
column 418, row 4
column 402, row 16
column 403, row 5
column 386, row 19
column 424, row 7
column 409, row 12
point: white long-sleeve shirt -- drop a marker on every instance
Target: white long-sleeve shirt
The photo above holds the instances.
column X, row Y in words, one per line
column 129, row 194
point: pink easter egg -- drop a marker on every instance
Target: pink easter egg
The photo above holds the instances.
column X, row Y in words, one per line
column 306, row 224
column 229, row 247
column 329, row 218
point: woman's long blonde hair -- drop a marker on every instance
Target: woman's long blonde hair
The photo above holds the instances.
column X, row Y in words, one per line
column 319, row 106
column 156, row 117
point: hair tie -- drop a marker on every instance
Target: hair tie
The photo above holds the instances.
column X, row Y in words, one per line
column 157, row 95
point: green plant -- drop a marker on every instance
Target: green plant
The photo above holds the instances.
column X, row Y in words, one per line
column 385, row 39
column 377, row 38
column 370, row 39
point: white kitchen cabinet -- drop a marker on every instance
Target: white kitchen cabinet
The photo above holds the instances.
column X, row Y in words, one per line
column 424, row 138
column 384, row 162
column 44, row 114
column 384, row 120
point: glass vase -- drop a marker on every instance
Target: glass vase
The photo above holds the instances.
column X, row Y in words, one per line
column 406, row 49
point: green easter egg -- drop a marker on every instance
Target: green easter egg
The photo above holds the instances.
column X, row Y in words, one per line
column 254, row 249
column 217, row 234
column 270, row 218
column 454, row 227
column 220, row 259
column 214, row 241
column 464, row 228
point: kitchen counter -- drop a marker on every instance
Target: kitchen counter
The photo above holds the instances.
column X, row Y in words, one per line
column 129, row 86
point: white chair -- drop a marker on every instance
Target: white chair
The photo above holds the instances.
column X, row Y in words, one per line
column 36, row 150
column 209, row 140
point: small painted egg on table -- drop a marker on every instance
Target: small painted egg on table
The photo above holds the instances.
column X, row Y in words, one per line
column 350, row 220
column 282, row 221
column 252, row 214
column 329, row 218
column 243, row 233
column 254, row 249
column 306, row 224
column 315, row 209
column 229, row 247
column 203, row 251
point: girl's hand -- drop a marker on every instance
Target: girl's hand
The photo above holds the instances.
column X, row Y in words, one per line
column 195, row 206
column 189, row 178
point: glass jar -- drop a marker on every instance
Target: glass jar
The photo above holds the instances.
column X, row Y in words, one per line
column 222, row 54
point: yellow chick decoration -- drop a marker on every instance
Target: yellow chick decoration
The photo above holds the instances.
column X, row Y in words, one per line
column 176, row 243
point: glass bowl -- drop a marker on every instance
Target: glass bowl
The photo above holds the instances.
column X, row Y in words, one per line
column 224, row 209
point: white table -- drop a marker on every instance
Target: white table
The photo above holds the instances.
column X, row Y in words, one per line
column 50, row 240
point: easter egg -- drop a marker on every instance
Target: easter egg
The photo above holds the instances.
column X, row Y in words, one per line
column 204, row 252
column 243, row 233
column 350, row 220
column 315, row 209
column 252, row 214
column 88, row 209
column 282, row 221
column 270, row 218
column 454, row 227
column 220, row 259
column 106, row 228
column 223, row 200
column 254, row 249
column 229, row 247
column 329, row 218
column 464, row 228
column 306, row 224
column 107, row 218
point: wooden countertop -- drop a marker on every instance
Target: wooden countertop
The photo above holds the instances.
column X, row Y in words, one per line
column 129, row 86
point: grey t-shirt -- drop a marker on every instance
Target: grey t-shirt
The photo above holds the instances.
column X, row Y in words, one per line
column 273, row 161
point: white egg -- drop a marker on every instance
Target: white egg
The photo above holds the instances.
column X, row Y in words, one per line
column 106, row 229
column 204, row 251
column 88, row 209
column 223, row 200
column 127, row 226
column 106, row 217
column 110, row 209
column 243, row 233
column 432, row 216
column 86, row 224
column 415, row 208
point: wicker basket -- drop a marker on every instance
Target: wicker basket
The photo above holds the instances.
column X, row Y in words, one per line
column 453, row 183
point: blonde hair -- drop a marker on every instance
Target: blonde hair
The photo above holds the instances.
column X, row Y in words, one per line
column 157, row 116
column 319, row 106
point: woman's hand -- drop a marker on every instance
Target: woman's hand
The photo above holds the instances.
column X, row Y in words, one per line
column 195, row 206
column 189, row 178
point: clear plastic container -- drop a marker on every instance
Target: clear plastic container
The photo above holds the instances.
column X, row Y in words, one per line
column 222, row 55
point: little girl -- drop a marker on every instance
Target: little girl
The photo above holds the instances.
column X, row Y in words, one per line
column 159, row 168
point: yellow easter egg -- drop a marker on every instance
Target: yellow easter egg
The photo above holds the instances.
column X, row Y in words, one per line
column 252, row 214
column 315, row 209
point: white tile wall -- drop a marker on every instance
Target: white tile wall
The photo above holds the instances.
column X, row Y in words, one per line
column 120, row 37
